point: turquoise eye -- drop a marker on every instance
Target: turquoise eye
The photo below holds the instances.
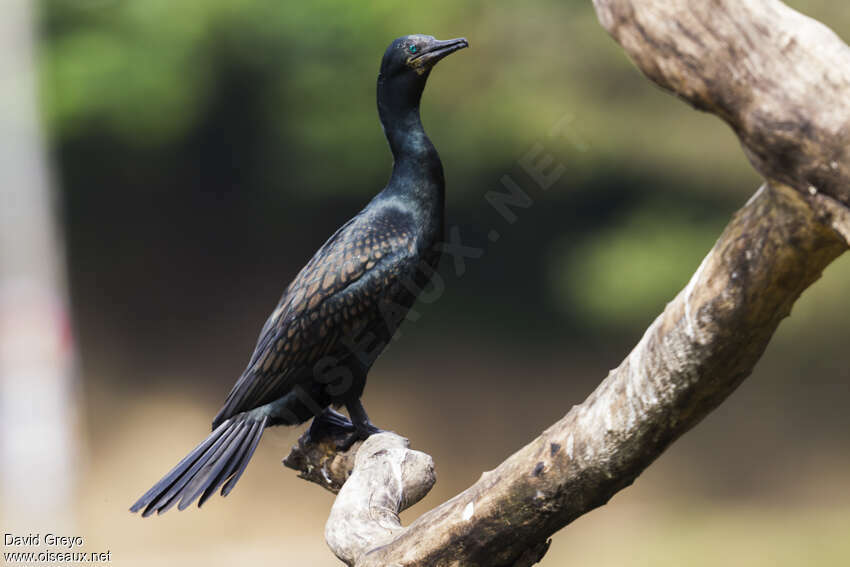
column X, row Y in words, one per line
column 412, row 49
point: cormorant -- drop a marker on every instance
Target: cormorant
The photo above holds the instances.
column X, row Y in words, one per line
column 342, row 308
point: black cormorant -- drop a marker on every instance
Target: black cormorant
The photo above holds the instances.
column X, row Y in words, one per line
column 342, row 308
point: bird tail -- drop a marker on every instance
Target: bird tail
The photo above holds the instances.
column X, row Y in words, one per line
column 220, row 458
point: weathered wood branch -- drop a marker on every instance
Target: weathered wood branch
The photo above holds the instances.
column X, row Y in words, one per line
column 782, row 81
column 779, row 78
column 375, row 480
column 690, row 359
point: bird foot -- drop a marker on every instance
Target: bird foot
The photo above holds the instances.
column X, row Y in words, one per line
column 359, row 434
column 329, row 423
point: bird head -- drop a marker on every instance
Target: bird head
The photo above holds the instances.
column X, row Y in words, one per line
column 417, row 55
column 404, row 70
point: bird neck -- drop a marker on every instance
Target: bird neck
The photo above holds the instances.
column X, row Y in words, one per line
column 417, row 171
column 406, row 136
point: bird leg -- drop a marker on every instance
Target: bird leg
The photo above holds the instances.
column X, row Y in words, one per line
column 363, row 428
column 329, row 423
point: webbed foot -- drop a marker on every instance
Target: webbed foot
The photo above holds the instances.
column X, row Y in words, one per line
column 363, row 428
column 329, row 423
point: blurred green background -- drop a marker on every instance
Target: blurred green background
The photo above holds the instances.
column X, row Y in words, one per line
column 205, row 149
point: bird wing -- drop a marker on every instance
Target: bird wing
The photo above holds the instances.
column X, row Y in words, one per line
column 337, row 291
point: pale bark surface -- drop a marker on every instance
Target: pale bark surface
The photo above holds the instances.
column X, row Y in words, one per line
column 779, row 78
column 782, row 81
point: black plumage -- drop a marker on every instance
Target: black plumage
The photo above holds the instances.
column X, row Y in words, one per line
column 342, row 308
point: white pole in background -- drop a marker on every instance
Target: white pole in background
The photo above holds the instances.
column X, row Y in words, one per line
column 37, row 419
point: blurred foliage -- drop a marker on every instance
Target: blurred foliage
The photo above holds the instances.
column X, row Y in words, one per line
column 633, row 269
column 147, row 71
column 820, row 314
column 254, row 114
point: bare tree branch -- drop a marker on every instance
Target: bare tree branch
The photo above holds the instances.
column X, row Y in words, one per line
column 375, row 479
column 782, row 81
column 779, row 78
column 387, row 478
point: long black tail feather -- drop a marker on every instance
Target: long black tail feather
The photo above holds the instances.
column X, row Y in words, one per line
column 221, row 458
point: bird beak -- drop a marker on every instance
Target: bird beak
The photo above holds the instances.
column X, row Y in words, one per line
column 429, row 56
